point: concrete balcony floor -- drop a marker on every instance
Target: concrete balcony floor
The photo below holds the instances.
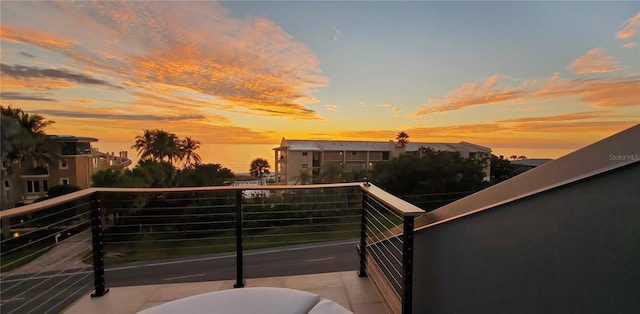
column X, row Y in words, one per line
column 345, row 288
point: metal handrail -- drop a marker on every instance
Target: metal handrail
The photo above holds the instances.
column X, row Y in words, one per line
column 398, row 205
column 400, row 208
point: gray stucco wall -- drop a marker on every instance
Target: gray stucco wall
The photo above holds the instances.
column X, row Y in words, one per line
column 572, row 249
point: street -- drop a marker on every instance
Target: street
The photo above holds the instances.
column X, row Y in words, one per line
column 53, row 292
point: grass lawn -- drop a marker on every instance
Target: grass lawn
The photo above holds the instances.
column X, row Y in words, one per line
column 151, row 247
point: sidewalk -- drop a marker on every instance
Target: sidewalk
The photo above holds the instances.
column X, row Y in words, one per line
column 65, row 255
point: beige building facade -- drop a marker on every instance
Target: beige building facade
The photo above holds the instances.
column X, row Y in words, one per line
column 24, row 183
column 293, row 157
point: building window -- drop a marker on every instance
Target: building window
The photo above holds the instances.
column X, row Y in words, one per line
column 95, row 162
column 64, row 181
column 354, row 153
column 64, row 164
column 5, row 164
column 6, row 184
column 304, row 153
column 45, row 185
column 33, row 186
column 385, row 155
column 305, row 166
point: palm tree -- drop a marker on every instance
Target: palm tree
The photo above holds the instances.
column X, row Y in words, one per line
column 403, row 138
column 303, row 177
column 166, row 144
column 331, row 172
column 187, row 150
column 259, row 167
column 144, row 144
column 23, row 142
column 158, row 144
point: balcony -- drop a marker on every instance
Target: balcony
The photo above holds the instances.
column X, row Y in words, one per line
column 166, row 244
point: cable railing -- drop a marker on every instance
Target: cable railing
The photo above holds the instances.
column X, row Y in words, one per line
column 31, row 284
column 58, row 250
column 386, row 246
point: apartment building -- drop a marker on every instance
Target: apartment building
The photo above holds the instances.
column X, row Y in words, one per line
column 77, row 164
column 294, row 156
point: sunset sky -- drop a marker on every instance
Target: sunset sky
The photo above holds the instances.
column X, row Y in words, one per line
column 550, row 76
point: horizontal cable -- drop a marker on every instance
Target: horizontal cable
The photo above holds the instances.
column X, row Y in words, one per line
column 391, row 263
column 388, row 271
column 169, row 240
column 52, row 288
column 296, row 234
column 248, row 205
column 179, row 215
column 47, row 227
column 81, row 289
column 41, row 239
column 230, row 206
column 285, row 242
column 303, row 226
column 49, row 215
column 166, row 232
column 300, row 211
column 68, row 257
column 383, row 206
column 380, row 242
column 381, row 233
column 173, row 224
column 302, row 218
column 174, row 248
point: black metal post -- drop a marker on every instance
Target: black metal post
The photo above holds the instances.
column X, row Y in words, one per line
column 98, row 247
column 407, row 265
column 362, row 249
column 239, row 277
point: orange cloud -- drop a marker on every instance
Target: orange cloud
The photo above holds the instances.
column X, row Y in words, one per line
column 331, row 107
column 84, row 101
column 473, row 94
column 594, row 61
column 9, row 82
column 610, row 93
column 564, row 117
column 629, row 28
column 248, row 65
column 33, row 37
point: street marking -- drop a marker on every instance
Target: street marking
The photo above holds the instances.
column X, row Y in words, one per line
column 11, row 299
column 182, row 277
column 301, row 248
column 232, row 256
column 319, row 259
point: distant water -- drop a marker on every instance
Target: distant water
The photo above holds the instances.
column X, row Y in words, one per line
column 236, row 157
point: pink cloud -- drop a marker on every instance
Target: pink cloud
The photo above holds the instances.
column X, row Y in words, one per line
column 609, row 93
column 594, row 61
column 629, row 28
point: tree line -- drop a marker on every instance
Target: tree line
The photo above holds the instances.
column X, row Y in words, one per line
column 167, row 160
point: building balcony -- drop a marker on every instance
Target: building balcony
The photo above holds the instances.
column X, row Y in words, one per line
column 35, row 172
